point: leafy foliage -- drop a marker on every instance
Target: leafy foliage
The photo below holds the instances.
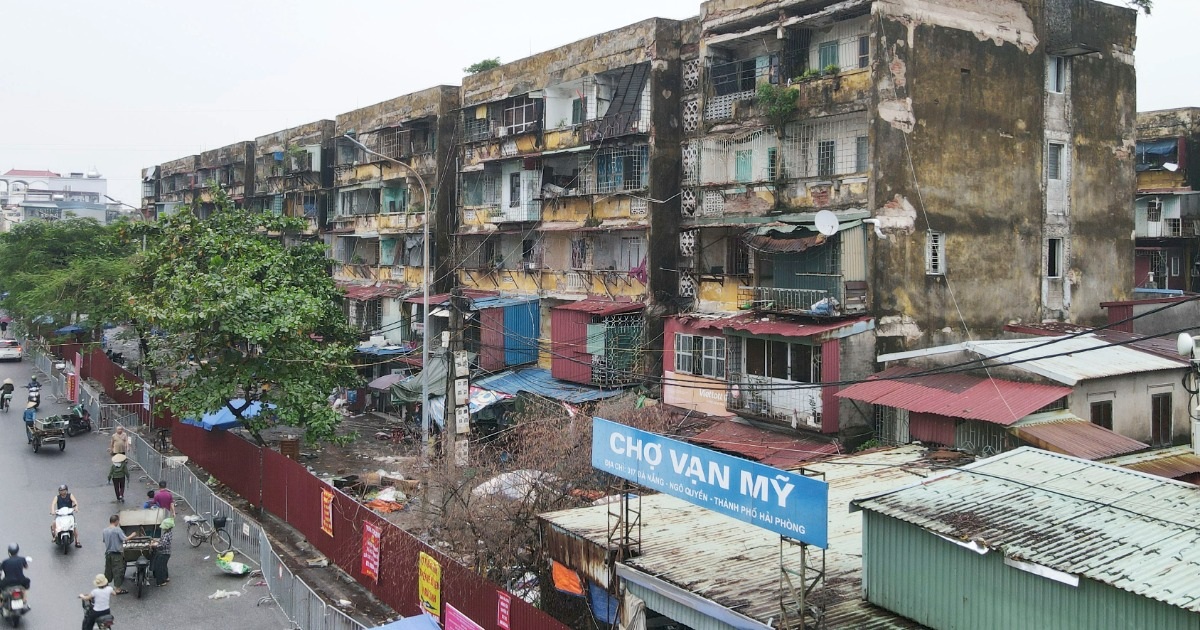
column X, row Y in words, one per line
column 1144, row 5
column 778, row 104
column 480, row 66
column 62, row 268
column 240, row 315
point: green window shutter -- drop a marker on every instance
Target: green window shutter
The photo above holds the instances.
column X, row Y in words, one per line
column 595, row 339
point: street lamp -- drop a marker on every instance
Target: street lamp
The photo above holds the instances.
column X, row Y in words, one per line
column 425, row 276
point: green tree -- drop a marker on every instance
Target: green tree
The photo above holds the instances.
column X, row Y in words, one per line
column 486, row 64
column 1144, row 5
column 237, row 314
column 65, row 268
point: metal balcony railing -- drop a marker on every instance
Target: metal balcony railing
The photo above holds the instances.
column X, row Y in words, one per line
column 778, row 300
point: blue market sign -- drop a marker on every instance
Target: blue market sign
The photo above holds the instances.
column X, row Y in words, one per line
column 781, row 501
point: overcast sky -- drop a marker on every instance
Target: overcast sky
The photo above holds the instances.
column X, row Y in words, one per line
column 122, row 84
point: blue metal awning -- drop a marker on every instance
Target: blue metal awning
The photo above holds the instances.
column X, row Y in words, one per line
column 538, row 381
column 500, row 301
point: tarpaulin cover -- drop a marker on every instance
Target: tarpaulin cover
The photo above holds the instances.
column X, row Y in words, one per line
column 604, row 605
column 539, row 381
column 420, row 622
column 409, row 390
column 1157, row 147
column 566, row 580
column 223, row 419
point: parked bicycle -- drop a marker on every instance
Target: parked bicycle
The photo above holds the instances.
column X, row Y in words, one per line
column 201, row 528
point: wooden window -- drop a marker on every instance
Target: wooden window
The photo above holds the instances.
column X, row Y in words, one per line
column 744, row 161
column 578, row 111
column 827, row 53
column 514, row 190
column 864, row 51
column 1160, row 419
column 1054, row 257
column 1056, row 74
column 1102, row 414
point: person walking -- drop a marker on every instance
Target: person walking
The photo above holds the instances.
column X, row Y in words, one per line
column 162, row 555
column 101, row 599
column 114, row 554
column 119, row 443
column 118, row 472
column 29, row 416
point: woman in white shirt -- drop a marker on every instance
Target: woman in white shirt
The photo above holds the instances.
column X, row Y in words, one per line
column 99, row 598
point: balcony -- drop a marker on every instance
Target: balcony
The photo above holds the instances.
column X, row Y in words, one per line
column 528, row 211
column 721, row 107
column 776, row 300
column 774, row 400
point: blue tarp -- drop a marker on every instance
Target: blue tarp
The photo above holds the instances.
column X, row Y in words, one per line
column 538, row 381
column 384, row 350
column 66, row 330
column 223, row 419
column 420, row 622
column 500, row 301
column 1157, row 147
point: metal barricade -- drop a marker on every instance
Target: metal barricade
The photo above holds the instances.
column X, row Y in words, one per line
column 302, row 606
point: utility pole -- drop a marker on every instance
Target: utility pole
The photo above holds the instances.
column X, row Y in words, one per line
column 458, row 386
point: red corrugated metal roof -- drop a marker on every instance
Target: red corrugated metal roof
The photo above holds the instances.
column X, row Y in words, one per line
column 767, row 447
column 601, row 307
column 955, row 395
column 1078, row 438
column 16, row 172
column 788, row 328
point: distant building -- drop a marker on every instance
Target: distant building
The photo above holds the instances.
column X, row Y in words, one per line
column 18, row 185
column 1167, row 207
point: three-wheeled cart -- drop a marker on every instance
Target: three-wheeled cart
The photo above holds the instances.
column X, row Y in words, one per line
column 142, row 530
column 49, row 431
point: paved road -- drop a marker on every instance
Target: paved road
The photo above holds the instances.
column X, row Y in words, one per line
column 27, row 483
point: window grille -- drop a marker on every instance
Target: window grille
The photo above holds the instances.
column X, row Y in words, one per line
column 621, row 169
column 1054, row 153
column 935, row 255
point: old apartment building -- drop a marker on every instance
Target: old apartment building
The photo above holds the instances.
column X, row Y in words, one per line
column 569, row 197
column 972, row 160
column 1167, row 207
column 746, row 207
column 375, row 227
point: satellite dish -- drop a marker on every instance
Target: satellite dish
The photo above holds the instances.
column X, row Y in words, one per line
column 827, row 222
column 1185, row 345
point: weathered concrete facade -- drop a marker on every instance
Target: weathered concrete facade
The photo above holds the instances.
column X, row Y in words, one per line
column 378, row 213
column 293, row 172
column 1167, row 206
column 177, row 183
column 1007, row 169
column 229, row 168
column 569, row 180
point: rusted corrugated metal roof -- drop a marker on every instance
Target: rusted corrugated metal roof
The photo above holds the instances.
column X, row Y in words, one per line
column 955, row 395
column 769, row 447
column 1130, row 530
column 1078, row 438
column 775, row 245
column 787, row 327
column 1172, row 463
column 601, row 307
column 699, row 550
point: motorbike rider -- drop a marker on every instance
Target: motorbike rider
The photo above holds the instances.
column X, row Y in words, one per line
column 29, row 417
column 13, row 568
column 100, row 598
column 6, row 390
column 33, row 382
column 63, row 499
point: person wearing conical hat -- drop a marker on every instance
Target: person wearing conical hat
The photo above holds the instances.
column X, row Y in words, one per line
column 118, row 472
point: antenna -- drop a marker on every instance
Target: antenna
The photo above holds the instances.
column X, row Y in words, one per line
column 827, row 222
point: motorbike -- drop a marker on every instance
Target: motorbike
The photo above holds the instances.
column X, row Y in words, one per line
column 35, row 394
column 64, row 528
column 103, row 621
column 5, row 401
column 78, row 421
column 13, row 605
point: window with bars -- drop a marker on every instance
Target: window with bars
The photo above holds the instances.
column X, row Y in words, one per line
column 743, row 166
column 1154, row 209
column 861, row 148
column 395, row 143
column 581, row 253
column 621, row 169
column 826, row 149
column 532, row 252
column 738, row 257
column 935, row 253
column 481, row 189
column 700, row 355
column 514, row 190
column 520, row 115
column 827, row 54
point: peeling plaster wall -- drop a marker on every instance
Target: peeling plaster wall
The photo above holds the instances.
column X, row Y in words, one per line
column 599, row 53
column 312, row 133
column 959, row 153
column 958, row 147
column 1103, row 121
column 435, row 101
